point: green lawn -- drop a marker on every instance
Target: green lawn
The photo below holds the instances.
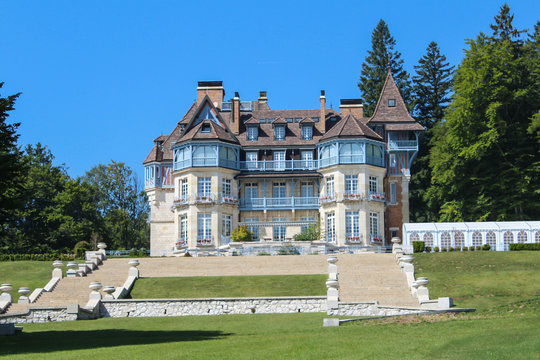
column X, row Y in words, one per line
column 32, row 274
column 229, row 286
column 484, row 279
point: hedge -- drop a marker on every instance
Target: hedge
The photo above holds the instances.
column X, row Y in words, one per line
column 37, row 257
column 521, row 246
column 418, row 246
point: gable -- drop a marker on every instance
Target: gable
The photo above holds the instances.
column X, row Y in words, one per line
column 207, row 113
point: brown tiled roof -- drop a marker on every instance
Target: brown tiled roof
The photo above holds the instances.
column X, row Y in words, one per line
column 279, row 120
column 406, row 126
column 163, row 152
column 161, row 138
column 386, row 114
column 189, row 114
column 307, row 120
column 349, row 127
column 252, row 120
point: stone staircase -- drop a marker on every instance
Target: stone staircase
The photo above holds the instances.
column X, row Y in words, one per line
column 363, row 277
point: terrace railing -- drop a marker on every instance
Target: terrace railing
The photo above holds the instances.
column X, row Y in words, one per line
column 279, row 203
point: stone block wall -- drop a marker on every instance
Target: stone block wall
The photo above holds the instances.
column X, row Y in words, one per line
column 39, row 316
column 373, row 309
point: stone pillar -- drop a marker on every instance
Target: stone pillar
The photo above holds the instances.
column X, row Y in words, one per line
column 102, row 246
column 407, row 267
column 396, row 245
column 83, row 269
column 422, row 293
column 332, row 294
column 57, row 272
column 95, row 294
column 109, row 290
column 71, row 272
column 23, row 298
column 6, row 296
column 133, row 271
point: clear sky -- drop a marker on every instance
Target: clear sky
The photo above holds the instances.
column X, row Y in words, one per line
column 101, row 79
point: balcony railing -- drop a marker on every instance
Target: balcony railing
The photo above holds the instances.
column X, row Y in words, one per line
column 280, row 203
column 353, row 196
column 402, row 145
column 353, row 239
column 204, row 241
column 181, row 243
column 327, row 198
column 204, row 198
column 229, row 200
column 180, row 200
column 377, row 196
column 279, row 165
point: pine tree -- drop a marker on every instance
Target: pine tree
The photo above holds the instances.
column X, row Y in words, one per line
column 431, row 87
column 375, row 69
column 484, row 161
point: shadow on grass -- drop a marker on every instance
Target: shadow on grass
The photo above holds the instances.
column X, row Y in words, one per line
column 48, row 341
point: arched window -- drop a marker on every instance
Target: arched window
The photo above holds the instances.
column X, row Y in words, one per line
column 459, row 239
column 537, row 237
column 491, row 239
column 428, row 239
column 508, row 237
column 351, row 154
column 445, row 240
column 415, row 237
column 477, row 239
column 522, row 237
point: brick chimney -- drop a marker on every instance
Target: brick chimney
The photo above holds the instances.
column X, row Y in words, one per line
column 262, row 97
column 322, row 116
column 236, row 114
column 351, row 106
column 214, row 90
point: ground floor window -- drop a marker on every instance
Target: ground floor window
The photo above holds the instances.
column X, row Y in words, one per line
column 330, row 227
column 254, row 230
column 415, row 237
column 352, row 225
column 279, row 230
column 537, row 237
column 508, row 237
column 182, row 238
column 204, row 227
column 311, row 220
column 226, row 225
column 374, row 224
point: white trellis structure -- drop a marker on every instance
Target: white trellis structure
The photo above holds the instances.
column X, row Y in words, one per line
column 460, row 234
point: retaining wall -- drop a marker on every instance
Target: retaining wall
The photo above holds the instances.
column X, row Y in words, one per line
column 373, row 309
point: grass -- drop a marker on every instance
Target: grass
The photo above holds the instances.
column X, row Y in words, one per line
column 484, row 280
column 229, row 286
column 503, row 286
column 32, row 274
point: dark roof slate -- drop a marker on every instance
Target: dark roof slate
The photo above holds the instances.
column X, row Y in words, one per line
column 386, row 114
column 349, row 127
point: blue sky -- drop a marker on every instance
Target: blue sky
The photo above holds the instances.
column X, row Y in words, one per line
column 101, row 79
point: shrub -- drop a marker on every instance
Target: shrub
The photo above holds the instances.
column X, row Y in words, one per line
column 133, row 252
column 451, row 249
column 436, row 249
column 418, row 246
column 241, row 234
column 486, row 247
column 288, row 250
column 465, row 248
column 142, row 253
column 310, row 233
column 428, row 249
column 80, row 249
column 520, row 246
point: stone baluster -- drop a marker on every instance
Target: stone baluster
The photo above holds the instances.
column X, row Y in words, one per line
column 133, row 271
column 422, row 293
column 57, row 272
column 23, row 295
column 71, row 272
column 332, row 294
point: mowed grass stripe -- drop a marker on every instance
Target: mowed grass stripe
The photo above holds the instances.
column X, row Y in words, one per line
column 229, row 286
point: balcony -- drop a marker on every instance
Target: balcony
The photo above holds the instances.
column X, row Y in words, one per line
column 180, row 200
column 353, row 239
column 287, row 203
column 181, row 243
column 402, row 145
column 204, row 241
column 324, row 199
column 204, row 198
column 229, row 200
column 377, row 196
column 279, row 165
column 375, row 239
column 353, row 196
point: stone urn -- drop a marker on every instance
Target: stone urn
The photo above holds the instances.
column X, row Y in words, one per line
column 332, row 284
column 57, row 264
column 332, row 260
column 95, row 285
column 6, row 288
column 407, row 259
column 71, row 265
column 24, row 291
column 133, row 262
column 396, row 241
column 102, row 246
column 422, row 281
column 109, row 291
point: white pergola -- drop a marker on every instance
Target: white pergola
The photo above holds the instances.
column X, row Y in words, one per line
column 460, row 234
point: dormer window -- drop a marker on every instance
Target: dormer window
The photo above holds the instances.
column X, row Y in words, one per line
column 279, row 132
column 205, row 128
column 252, row 133
column 391, row 102
column 307, row 132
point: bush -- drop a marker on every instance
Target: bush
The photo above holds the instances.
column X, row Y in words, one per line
column 436, row 249
column 142, row 253
column 428, row 249
column 37, row 257
column 133, row 252
column 451, row 249
column 486, row 247
column 241, row 234
column 418, row 246
column 80, row 248
column 310, row 233
column 520, row 246
column 288, row 250
column 465, row 248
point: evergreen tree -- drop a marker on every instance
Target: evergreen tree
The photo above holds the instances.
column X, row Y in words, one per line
column 375, row 69
column 431, row 87
column 484, row 161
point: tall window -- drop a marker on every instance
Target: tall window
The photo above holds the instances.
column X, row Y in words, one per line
column 393, row 161
column 351, row 184
column 204, row 226
column 279, row 132
column 279, row 160
column 393, row 197
column 251, row 191
column 252, row 133
column 279, row 230
column 183, row 228
column 204, row 186
column 307, row 189
column 278, row 190
column 477, row 239
column 307, row 159
column 184, row 188
column 251, row 159
column 373, row 186
column 226, row 225
column 226, row 188
column 307, row 132
column 330, row 185
column 330, row 227
column 352, row 223
column 311, row 220
column 373, row 224
column 253, row 229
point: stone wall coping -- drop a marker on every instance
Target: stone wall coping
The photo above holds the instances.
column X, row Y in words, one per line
column 105, row 301
column 380, row 306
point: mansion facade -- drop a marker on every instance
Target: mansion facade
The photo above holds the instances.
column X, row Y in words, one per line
column 231, row 163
